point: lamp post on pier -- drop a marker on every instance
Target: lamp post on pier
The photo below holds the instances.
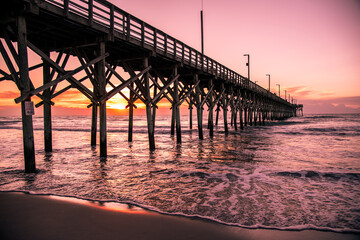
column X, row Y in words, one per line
column 279, row 88
column 248, row 64
column 285, row 95
column 202, row 30
column 269, row 80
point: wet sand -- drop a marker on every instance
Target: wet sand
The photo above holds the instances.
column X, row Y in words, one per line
column 24, row 216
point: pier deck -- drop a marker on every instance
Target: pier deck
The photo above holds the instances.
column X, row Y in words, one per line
column 105, row 39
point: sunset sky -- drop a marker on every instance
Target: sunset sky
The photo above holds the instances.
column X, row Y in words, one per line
column 310, row 47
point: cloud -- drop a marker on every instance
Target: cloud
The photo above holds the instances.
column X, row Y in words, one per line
column 299, row 91
column 332, row 105
column 9, row 94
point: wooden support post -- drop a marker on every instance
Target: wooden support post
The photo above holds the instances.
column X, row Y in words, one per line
column 232, row 116
column 224, row 99
column 94, row 124
column 100, row 67
column 241, row 111
column 199, row 110
column 241, row 117
column 254, row 113
column 27, row 124
column 190, row 115
column 217, row 114
column 150, row 120
column 263, row 116
column 131, row 114
column 250, row 114
column 245, row 116
column 211, row 111
column 47, row 108
column 200, row 122
column 173, row 116
column 177, row 107
column 154, row 105
column 235, row 117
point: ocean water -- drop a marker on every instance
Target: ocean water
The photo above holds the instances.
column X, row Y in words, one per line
column 302, row 173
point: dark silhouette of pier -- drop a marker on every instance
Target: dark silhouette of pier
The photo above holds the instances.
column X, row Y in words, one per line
column 105, row 39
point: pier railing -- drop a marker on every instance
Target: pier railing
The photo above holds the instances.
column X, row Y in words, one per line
column 117, row 23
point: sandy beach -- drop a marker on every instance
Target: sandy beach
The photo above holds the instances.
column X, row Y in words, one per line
column 25, row 216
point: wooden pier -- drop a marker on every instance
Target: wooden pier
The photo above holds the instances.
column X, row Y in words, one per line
column 107, row 41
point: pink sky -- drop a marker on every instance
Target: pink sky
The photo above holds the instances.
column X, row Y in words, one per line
column 310, row 47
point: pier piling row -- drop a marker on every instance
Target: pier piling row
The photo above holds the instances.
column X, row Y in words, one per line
column 107, row 42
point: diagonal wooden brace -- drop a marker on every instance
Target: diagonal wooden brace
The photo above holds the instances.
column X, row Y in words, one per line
column 207, row 96
column 63, row 77
column 189, row 92
column 154, row 100
column 218, row 98
column 123, row 80
column 71, row 79
column 123, row 85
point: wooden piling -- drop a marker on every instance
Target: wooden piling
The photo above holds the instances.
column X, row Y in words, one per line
column 241, row 118
column 245, row 116
column 177, row 107
column 94, row 123
column 131, row 115
column 211, row 111
column 27, row 124
column 154, row 105
column 173, row 117
column 198, row 100
column 235, row 118
column 100, row 66
column 217, row 114
column 226, row 129
column 150, row 120
column 47, row 107
column 190, row 115
column 241, row 111
column 199, row 120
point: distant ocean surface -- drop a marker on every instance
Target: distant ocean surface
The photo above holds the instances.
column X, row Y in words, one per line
column 302, row 173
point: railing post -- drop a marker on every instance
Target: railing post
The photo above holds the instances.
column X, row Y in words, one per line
column 91, row 11
column 190, row 55
column 112, row 20
column 183, row 53
column 175, row 41
column 142, row 34
column 128, row 27
column 155, row 40
column 196, row 60
column 66, row 8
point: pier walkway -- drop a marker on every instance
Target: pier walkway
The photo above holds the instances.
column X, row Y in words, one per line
column 107, row 42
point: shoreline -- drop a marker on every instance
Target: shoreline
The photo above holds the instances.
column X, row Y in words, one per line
column 28, row 216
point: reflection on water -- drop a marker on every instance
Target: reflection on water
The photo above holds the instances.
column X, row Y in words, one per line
column 298, row 174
